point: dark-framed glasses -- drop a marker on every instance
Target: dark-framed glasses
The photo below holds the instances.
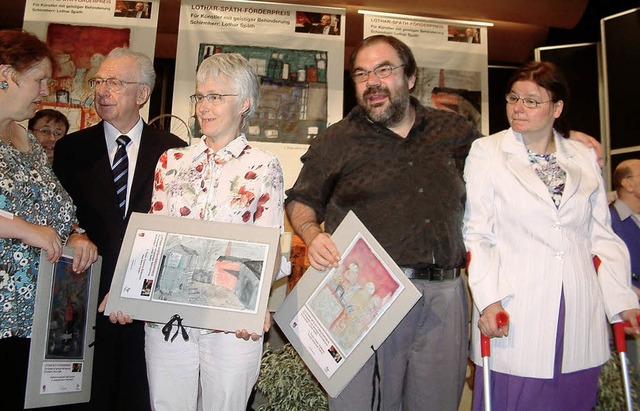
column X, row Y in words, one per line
column 212, row 98
column 527, row 102
column 46, row 131
column 111, row 82
column 360, row 76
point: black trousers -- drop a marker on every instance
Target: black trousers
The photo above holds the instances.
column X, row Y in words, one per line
column 13, row 378
column 119, row 380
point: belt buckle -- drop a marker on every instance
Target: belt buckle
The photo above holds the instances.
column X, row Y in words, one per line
column 437, row 274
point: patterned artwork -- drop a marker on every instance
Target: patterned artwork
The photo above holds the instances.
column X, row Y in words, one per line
column 354, row 296
column 78, row 52
column 210, row 272
column 293, row 92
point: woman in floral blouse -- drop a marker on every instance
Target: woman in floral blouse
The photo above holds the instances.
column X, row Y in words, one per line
column 536, row 215
column 35, row 211
column 221, row 178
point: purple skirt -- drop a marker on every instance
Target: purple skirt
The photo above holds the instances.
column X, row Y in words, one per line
column 574, row 391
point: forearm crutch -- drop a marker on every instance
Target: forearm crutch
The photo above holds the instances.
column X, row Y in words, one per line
column 621, row 347
column 485, row 348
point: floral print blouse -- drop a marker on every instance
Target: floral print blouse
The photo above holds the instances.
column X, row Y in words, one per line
column 238, row 184
column 30, row 190
column 552, row 175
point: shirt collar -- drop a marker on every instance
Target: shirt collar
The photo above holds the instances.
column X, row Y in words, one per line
column 111, row 133
column 235, row 148
column 623, row 209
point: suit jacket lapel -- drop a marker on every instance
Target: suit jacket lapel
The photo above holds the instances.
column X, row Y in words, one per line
column 102, row 167
column 566, row 158
column 99, row 179
column 145, row 163
column 517, row 161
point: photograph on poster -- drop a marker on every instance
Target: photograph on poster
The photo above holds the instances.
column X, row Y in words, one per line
column 78, row 52
column 354, row 296
column 209, row 272
column 317, row 23
column 293, row 92
column 66, row 327
column 133, row 9
column 463, row 34
column 454, row 90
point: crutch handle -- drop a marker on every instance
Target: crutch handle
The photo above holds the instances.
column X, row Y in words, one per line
column 596, row 262
column 618, row 332
column 618, row 328
column 502, row 318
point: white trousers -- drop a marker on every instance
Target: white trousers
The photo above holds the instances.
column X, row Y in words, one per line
column 224, row 367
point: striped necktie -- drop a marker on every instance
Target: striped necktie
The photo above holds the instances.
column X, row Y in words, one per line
column 120, row 170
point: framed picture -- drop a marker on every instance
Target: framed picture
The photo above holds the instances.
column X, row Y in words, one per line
column 215, row 276
column 61, row 355
column 333, row 318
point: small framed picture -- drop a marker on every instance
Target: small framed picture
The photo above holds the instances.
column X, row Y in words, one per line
column 333, row 318
column 213, row 275
column 61, row 355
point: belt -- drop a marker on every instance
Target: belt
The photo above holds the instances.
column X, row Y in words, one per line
column 431, row 273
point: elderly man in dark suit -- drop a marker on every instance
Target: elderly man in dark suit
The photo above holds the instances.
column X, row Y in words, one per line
column 139, row 12
column 325, row 26
column 108, row 171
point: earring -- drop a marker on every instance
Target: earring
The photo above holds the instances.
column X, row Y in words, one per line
column 4, row 85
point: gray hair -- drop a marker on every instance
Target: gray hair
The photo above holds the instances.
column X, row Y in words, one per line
column 240, row 75
column 146, row 72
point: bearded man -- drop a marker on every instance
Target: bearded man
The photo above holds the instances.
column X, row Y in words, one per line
column 398, row 165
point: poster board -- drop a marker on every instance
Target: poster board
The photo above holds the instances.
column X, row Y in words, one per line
column 213, row 275
column 452, row 61
column 61, row 354
column 334, row 318
column 299, row 68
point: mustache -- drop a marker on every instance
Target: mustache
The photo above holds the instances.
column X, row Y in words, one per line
column 375, row 90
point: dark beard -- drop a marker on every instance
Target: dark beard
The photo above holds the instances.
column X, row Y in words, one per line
column 393, row 114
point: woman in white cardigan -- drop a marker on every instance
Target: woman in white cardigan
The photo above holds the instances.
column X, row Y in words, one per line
column 536, row 215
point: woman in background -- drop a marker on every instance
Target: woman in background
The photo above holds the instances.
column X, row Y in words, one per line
column 536, row 215
column 35, row 211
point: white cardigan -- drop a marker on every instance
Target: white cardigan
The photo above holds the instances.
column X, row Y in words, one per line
column 525, row 251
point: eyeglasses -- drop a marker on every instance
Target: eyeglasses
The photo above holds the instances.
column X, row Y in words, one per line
column 360, row 76
column 213, row 98
column 56, row 134
column 114, row 84
column 527, row 102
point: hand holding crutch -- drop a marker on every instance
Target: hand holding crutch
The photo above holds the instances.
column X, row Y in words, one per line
column 621, row 347
column 620, row 329
column 502, row 320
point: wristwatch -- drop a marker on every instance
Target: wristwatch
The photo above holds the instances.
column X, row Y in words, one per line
column 78, row 230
